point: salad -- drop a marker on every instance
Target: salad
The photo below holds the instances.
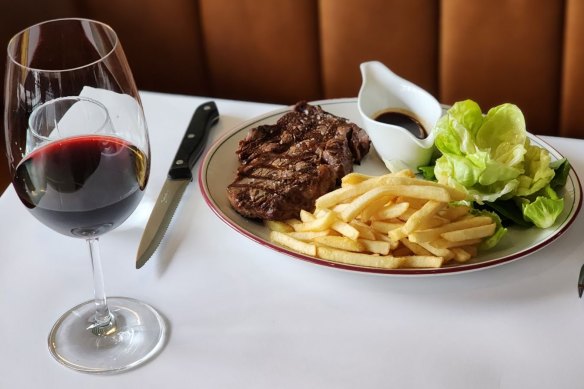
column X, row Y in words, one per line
column 491, row 158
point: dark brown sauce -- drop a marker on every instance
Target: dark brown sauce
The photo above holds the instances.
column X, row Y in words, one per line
column 402, row 119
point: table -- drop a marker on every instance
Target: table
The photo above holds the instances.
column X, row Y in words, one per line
column 244, row 316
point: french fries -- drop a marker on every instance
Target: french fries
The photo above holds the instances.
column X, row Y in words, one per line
column 388, row 222
column 294, row 244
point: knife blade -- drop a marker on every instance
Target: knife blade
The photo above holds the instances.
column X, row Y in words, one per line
column 179, row 176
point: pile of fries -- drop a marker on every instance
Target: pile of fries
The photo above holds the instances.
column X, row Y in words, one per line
column 389, row 222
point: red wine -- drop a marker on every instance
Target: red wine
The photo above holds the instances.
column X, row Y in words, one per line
column 82, row 186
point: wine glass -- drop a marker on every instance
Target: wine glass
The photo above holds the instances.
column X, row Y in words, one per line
column 79, row 156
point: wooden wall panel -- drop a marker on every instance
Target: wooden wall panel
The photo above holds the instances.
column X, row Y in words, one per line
column 522, row 51
column 401, row 34
column 496, row 51
column 163, row 43
column 262, row 50
column 572, row 110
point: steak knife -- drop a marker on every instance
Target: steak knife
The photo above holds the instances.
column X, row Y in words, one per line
column 179, row 176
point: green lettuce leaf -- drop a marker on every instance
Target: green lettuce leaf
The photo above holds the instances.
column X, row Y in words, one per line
column 491, row 158
column 427, row 172
column 538, row 172
column 561, row 170
column 483, row 155
column 544, row 211
column 509, row 211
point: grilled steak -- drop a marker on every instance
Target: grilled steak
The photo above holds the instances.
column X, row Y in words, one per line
column 285, row 167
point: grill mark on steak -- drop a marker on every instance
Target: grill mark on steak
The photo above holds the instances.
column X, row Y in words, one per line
column 285, row 167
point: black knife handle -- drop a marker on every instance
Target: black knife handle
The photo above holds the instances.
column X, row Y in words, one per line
column 193, row 143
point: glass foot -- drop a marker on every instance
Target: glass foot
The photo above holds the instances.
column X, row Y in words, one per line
column 137, row 335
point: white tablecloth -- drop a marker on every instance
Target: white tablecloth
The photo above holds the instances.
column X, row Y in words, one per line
column 244, row 316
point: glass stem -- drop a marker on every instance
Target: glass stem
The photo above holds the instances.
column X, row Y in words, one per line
column 103, row 320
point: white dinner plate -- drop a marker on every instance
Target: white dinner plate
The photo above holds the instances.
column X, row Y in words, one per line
column 218, row 169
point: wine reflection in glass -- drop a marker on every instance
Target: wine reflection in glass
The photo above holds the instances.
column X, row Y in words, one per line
column 79, row 158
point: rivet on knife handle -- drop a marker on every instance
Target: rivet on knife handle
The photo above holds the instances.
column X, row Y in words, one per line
column 193, row 143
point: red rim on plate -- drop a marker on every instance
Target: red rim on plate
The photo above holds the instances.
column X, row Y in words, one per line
column 218, row 167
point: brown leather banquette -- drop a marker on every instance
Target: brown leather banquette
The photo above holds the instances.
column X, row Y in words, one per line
column 493, row 51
